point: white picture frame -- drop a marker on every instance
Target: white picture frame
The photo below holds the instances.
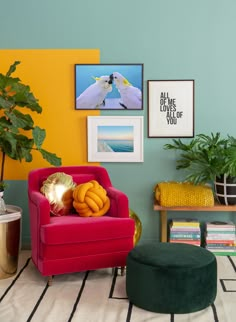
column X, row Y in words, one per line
column 115, row 138
column 170, row 108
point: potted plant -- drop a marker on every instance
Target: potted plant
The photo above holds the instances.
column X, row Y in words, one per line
column 209, row 159
column 19, row 136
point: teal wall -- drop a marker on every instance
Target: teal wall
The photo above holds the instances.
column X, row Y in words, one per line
column 184, row 39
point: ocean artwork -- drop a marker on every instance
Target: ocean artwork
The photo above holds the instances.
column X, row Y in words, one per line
column 115, row 139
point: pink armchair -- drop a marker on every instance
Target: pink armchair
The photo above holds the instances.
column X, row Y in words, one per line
column 72, row 243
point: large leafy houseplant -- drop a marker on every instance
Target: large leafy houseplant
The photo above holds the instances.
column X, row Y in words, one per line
column 19, row 136
column 206, row 157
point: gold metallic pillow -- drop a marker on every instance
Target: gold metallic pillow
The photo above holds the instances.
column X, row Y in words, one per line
column 58, row 189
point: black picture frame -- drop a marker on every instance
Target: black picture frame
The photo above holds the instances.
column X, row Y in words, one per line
column 170, row 108
column 109, row 86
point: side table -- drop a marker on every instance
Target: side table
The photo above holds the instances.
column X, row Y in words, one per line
column 163, row 214
column 10, row 235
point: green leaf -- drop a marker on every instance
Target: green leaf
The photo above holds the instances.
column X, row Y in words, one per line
column 5, row 104
column 39, row 136
column 24, row 97
column 8, row 143
column 12, row 68
column 16, row 146
column 20, row 120
column 26, row 153
column 52, row 158
column 3, row 80
column 5, row 125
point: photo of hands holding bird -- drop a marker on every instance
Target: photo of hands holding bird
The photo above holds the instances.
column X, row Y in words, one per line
column 109, row 86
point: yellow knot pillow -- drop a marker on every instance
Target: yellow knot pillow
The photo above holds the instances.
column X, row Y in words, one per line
column 177, row 194
column 90, row 199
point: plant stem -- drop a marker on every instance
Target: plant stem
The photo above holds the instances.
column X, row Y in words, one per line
column 2, row 166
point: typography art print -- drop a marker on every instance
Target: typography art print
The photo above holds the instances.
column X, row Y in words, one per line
column 170, row 108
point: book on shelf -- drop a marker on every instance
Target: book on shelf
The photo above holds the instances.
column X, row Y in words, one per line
column 185, row 228
column 224, row 226
column 229, row 242
column 220, row 224
column 185, row 222
column 224, row 253
column 221, row 233
column 220, row 241
column 220, row 229
column 180, row 235
column 186, row 241
column 222, row 250
column 220, row 237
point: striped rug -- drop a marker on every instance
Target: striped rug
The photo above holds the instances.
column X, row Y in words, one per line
column 99, row 296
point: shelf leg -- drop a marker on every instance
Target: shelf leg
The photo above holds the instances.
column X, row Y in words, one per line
column 163, row 227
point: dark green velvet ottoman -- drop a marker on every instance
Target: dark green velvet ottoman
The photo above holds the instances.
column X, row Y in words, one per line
column 171, row 277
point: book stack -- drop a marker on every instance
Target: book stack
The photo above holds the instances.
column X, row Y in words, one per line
column 185, row 231
column 220, row 238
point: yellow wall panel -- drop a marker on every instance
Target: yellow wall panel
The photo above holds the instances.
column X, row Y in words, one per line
column 50, row 75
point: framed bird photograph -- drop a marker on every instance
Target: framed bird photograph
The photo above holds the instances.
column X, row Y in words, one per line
column 108, row 86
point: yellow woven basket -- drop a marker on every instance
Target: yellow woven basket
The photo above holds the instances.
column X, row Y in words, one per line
column 174, row 194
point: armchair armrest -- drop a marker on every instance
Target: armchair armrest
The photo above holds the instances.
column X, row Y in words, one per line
column 39, row 207
column 119, row 203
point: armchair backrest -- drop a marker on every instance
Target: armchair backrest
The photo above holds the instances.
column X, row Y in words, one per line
column 119, row 206
column 80, row 174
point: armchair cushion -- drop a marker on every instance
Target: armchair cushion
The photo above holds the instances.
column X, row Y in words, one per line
column 72, row 229
column 69, row 236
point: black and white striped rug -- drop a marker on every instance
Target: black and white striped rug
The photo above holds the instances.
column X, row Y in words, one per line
column 99, row 296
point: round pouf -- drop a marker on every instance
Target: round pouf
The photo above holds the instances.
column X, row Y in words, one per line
column 171, row 277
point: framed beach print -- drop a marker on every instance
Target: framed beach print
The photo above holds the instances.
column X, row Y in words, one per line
column 115, row 139
column 109, row 86
column 170, row 108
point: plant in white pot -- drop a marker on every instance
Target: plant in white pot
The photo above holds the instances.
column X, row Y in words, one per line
column 209, row 159
column 19, row 136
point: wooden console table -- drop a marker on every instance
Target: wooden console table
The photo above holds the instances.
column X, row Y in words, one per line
column 163, row 214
